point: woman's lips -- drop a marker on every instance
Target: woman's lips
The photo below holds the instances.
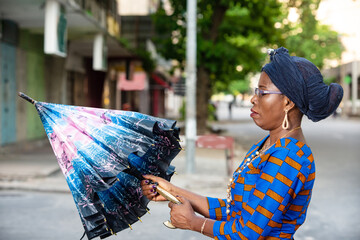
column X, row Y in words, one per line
column 253, row 113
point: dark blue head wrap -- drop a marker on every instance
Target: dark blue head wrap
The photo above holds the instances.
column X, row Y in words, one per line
column 301, row 81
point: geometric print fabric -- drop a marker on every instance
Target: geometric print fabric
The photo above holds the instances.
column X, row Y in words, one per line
column 270, row 197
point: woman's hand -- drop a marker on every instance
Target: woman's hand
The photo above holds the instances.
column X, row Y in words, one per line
column 182, row 215
column 149, row 187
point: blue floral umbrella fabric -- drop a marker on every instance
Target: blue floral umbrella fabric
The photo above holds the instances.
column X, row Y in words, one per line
column 103, row 155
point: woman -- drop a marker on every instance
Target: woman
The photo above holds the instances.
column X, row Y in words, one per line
column 270, row 191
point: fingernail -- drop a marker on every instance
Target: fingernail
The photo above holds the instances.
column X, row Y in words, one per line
column 147, row 181
column 154, row 186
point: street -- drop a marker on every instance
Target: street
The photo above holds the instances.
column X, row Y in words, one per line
column 333, row 214
column 43, row 214
column 47, row 216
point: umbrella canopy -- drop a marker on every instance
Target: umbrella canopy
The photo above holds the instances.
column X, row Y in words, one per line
column 103, row 155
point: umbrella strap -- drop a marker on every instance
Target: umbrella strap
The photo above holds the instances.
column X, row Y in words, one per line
column 83, row 235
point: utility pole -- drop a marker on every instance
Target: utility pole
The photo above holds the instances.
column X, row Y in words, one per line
column 190, row 124
column 354, row 86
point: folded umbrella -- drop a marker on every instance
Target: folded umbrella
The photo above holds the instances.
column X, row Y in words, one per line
column 103, row 155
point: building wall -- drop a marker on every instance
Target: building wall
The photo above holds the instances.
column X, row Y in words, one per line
column 95, row 80
column 21, row 105
column 8, row 42
column 32, row 44
column 8, row 88
column 54, row 78
column 349, row 105
column 24, row 67
column 36, row 89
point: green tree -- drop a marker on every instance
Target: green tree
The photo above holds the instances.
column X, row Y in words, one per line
column 232, row 36
column 230, row 33
column 239, row 87
column 306, row 37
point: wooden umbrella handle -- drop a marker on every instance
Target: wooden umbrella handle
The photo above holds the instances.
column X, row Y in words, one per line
column 167, row 195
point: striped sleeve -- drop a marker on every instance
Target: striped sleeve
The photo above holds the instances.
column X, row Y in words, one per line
column 217, row 208
column 281, row 179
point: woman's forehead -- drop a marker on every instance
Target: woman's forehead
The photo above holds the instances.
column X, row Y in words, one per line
column 265, row 80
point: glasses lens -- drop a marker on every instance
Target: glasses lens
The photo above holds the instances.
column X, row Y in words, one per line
column 257, row 91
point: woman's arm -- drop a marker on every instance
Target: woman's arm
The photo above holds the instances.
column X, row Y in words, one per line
column 199, row 203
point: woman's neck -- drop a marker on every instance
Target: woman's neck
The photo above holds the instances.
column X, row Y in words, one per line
column 279, row 133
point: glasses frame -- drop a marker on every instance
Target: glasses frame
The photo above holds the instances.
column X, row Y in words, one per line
column 260, row 93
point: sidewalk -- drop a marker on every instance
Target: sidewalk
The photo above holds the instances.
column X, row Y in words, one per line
column 30, row 166
column 35, row 168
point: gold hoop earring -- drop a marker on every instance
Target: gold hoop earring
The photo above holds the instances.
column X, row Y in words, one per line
column 285, row 123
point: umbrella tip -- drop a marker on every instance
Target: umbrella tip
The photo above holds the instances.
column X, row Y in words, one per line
column 26, row 97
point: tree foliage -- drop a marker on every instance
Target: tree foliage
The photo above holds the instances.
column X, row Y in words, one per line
column 229, row 34
column 233, row 35
column 237, row 87
column 306, row 37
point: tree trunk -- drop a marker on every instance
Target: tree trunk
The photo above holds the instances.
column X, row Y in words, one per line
column 203, row 91
column 203, row 86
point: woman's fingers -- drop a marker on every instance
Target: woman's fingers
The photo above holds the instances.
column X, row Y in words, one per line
column 149, row 191
column 181, row 214
column 149, row 187
column 152, row 178
column 181, row 199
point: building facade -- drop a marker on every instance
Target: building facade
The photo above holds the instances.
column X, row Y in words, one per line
column 66, row 75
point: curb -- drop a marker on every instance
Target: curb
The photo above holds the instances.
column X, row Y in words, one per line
column 24, row 146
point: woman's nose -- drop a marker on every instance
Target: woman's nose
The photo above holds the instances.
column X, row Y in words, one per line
column 252, row 100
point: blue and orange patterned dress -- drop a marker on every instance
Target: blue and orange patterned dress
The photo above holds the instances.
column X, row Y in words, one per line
column 270, row 197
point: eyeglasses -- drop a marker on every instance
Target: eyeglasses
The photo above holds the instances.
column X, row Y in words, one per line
column 260, row 92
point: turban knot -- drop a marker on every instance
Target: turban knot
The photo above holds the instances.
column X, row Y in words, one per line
column 301, row 81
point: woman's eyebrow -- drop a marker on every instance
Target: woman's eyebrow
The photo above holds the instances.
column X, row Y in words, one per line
column 261, row 86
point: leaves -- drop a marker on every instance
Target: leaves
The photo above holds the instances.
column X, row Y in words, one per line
column 230, row 33
column 308, row 38
column 233, row 33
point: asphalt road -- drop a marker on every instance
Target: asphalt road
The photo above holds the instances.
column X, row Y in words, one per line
column 53, row 216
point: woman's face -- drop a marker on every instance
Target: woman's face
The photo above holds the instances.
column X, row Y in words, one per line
column 268, row 110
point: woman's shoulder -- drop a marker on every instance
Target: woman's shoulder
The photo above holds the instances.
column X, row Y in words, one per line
column 291, row 149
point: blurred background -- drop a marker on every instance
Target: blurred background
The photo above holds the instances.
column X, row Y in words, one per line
column 131, row 55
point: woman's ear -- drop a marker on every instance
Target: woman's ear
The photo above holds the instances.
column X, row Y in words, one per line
column 289, row 104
